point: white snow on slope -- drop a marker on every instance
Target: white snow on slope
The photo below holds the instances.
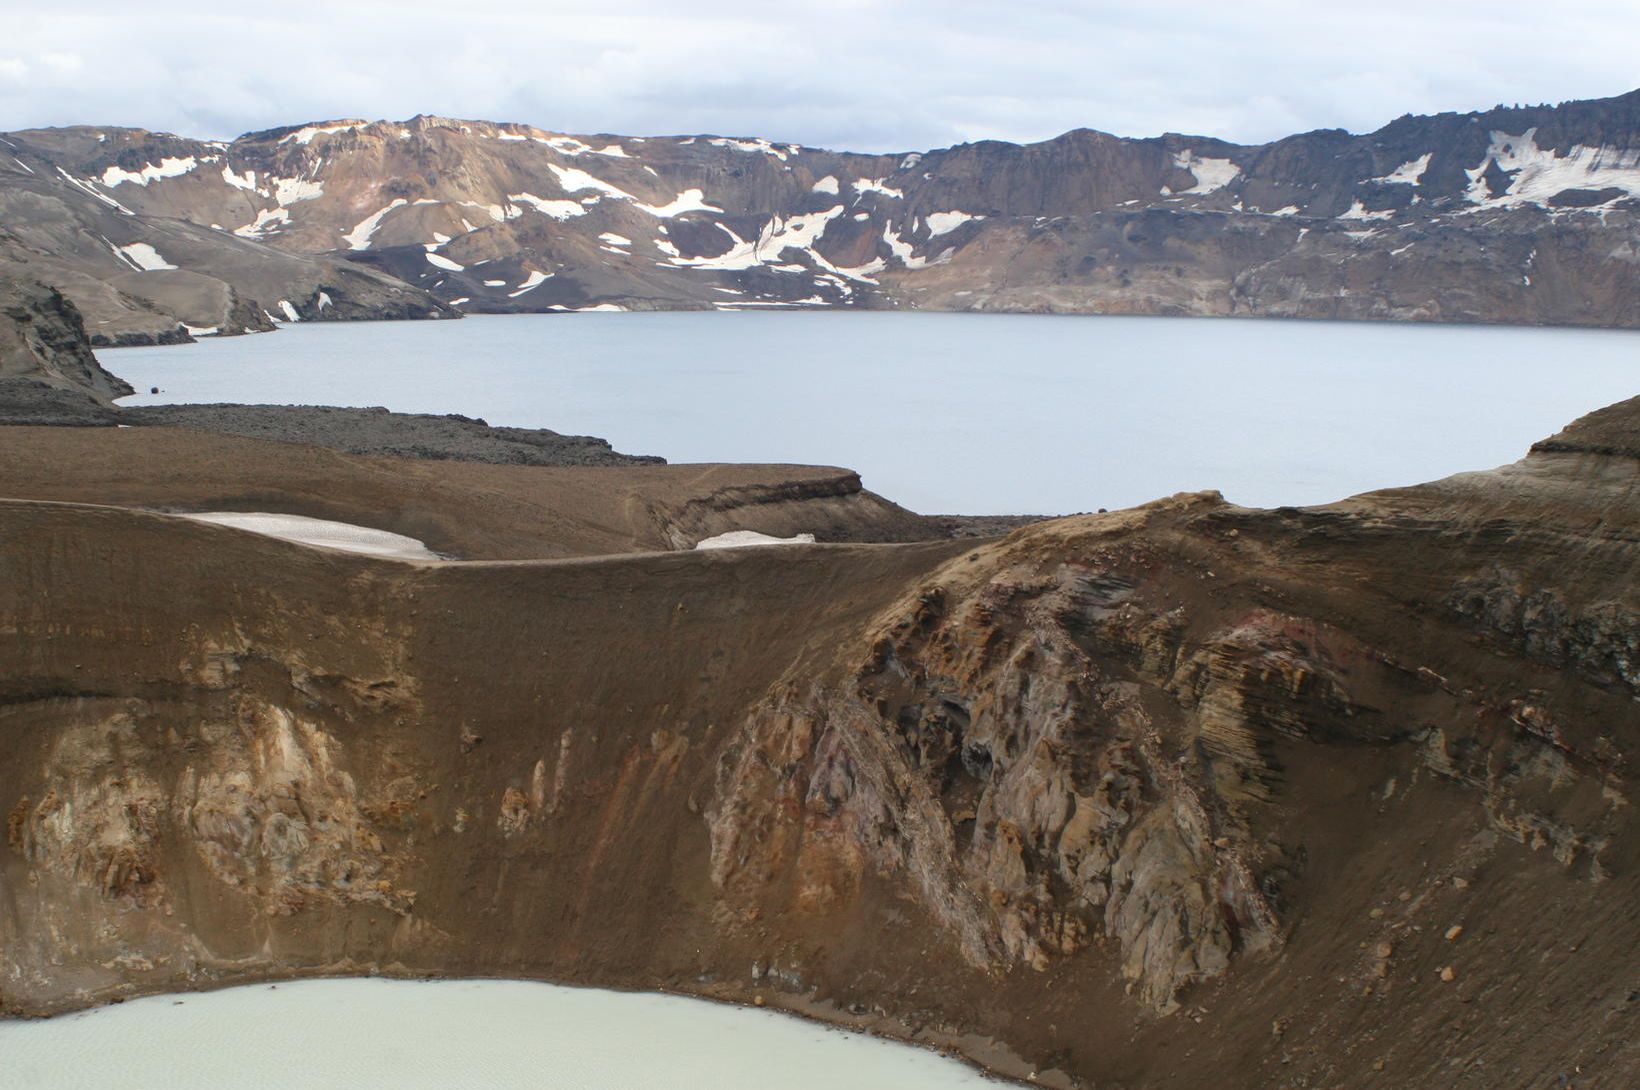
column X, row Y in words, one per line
column 778, row 235
column 828, row 184
column 1358, row 211
column 165, row 168
column 1210, row 174
column 145, row 257
column 359, row 237
column 267, row 221
column 290, row 311
column 614, row 240
column 1408, row 173
column 690, row 200
column 320, row 532
column 531, row 282
column 943, row 223
column 575, row 180
column 1543, row 173
column 245, row 181
column 863, row 186
column 740, row 539
column 443, row 262
column 557, row 209
column 290, row 190
column 759, row 145
column 306, row 135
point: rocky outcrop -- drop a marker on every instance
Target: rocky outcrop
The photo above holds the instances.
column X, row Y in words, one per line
column 1505, row 215
column 1189, row 793
column 43, row 337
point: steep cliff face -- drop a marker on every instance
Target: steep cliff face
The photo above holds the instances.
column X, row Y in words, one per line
column 1288, row 798
column 1514, row 215
column 48, row 373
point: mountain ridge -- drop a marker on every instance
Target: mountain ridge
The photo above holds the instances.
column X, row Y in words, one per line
column 1523, row 214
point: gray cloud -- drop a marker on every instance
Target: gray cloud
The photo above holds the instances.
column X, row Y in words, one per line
column 864, row 74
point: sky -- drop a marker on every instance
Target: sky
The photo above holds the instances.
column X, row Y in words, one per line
column 867, row 75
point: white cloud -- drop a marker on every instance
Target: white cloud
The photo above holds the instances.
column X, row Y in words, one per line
column 867, row 74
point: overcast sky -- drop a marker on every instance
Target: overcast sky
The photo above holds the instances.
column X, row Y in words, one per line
column 872, row 75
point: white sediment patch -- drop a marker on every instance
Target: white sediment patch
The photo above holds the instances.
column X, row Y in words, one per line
column 320, row 532
column 359, row 238
column 740, row 539
column 145, row 257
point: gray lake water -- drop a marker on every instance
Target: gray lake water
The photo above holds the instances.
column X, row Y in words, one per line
column 452, row 1035
column 958, row 413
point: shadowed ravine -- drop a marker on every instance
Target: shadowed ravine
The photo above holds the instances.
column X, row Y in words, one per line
column 1310, row 795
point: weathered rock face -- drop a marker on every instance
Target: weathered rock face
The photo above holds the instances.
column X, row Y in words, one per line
column 1508, row 215
column 42, row 337
column 1250, row 768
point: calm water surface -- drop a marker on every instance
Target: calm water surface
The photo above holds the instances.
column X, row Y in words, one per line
column 961, row 413
column 452, row 1035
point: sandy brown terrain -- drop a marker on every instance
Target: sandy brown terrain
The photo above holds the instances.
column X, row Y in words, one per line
column 1187, row 795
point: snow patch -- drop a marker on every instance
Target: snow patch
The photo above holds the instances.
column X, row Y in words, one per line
column 1210, row 174
column 1540, row 174
column 862, row 186
column 531, row 282
column 165, row 168
column 740, row 539
column 828, row 184
column 266, row 222
column 943, row 223
column 1410, row 172
column 442, row 262
column 559, row 210
column 781, row 152
column 145, row 257
column 322, row 533
column 305, row 135
column 1358, row 211
column 365, row 229
column 290, row 311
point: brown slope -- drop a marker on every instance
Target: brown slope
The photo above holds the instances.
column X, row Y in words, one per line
column 1187, row 793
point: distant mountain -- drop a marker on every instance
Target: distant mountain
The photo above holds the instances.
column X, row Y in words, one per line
column 1527, row 215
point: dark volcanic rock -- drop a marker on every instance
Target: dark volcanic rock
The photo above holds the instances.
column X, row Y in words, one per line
column 43, row 338
column 402, row 435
